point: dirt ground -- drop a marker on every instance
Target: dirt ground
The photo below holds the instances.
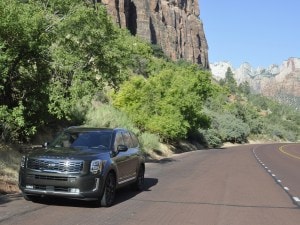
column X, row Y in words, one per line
column 8, row 187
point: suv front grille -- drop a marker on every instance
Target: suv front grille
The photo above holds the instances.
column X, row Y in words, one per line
column 58, row 166
column 42, row 177
column 51, row 188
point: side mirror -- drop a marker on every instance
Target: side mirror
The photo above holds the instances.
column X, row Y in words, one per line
column 122, row 148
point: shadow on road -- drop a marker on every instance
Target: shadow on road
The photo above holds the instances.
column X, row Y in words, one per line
column 123, row 194
column 161, row 161
column 8, row 198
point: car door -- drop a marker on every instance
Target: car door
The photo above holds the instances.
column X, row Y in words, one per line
column 121, row 157
column 131, row 156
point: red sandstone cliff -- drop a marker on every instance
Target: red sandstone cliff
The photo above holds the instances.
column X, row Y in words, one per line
column 172, row 24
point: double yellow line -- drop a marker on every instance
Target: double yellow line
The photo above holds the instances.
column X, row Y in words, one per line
column 281, row 149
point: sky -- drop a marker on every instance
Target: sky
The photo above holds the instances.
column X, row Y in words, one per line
column 260, row 32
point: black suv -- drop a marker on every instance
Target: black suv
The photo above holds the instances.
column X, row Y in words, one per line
column 84, row 163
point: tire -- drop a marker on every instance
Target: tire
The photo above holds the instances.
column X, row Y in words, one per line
column 31, row 198
column 109, row 191
column 138, row 185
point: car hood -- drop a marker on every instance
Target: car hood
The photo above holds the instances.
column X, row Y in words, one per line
column 69, row 153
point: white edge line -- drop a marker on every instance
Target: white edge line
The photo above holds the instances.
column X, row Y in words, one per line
column 296, row 199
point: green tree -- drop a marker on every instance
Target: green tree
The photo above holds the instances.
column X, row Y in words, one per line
column 87, row 57
column 169, row 103
column 245, row 88
column 55, row 56
column 229, row 81
column 24, row 67
column 231, row 129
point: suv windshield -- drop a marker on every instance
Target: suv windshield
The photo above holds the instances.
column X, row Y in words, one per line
column 83, row 139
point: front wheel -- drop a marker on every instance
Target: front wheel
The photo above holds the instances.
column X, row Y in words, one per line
column 109, row 192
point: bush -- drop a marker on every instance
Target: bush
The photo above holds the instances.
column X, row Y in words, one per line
column 105, row 115
column 149, row 141
column 278, row 132
column 211, row 138
column 168, row 103
column 231, row 129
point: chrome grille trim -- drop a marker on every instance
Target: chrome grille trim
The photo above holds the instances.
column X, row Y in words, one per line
column 43, row 177
column 55, row 166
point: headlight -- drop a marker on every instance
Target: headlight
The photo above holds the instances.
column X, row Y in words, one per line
column 23, row 161
column 96, row 166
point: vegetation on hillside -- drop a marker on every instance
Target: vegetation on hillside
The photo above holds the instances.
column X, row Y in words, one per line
column 66, row 61
column 238, row 115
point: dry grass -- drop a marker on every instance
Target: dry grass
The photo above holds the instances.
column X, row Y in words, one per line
column 9, row 166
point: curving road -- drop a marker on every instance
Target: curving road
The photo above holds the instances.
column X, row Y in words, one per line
column 282, row 162
column 217, row 187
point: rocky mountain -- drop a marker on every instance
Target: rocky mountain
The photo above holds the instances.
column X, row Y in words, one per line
column 280, row 82
column 172, row 24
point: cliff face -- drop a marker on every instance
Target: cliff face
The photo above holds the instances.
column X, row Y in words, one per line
column 172, row 24
column 279, row 82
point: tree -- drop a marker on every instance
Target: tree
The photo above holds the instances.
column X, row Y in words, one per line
column 169, row 103
column 89, row 53
column 229, row 81
column 24, row 67
column 55, row 56
column 245, row 88
column 231, row 129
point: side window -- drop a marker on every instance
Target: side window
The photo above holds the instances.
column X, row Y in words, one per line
column 135, row 141
column 118, row 140
column 127, row 139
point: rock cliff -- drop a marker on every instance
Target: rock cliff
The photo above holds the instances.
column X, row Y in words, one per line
column 280, row 82
column 172, row 24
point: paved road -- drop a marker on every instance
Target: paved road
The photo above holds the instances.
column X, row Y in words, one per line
column 216, row 187
column 282, row 162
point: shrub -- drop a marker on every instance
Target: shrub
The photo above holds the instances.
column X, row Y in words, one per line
column 231, row 129
column 211, row 138
column 149, row 141
column 168, row 103
column 105, row 115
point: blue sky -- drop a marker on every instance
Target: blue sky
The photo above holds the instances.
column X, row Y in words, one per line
column 260, row 32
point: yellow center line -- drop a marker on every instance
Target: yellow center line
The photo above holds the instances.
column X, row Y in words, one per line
column 281, row 149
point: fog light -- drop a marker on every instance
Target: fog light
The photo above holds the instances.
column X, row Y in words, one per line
column 74, row 190
column 29, row 186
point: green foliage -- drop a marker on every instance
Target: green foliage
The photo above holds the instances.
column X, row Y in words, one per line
column 168, row 103
column 24, row 73
column 244, row 88
column 56, row 56
column 105, row 115
column 249, row 115
column 211, row 138
column 13, row 126
column 231, row 129
column 229, row 81
column 149, row 141
column 242, row 110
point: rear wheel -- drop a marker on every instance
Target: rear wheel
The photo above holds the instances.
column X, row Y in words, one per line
column 138, row 185
column 109, row 192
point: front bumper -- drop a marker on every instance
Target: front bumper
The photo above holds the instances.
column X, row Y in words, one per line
column 77, row 186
